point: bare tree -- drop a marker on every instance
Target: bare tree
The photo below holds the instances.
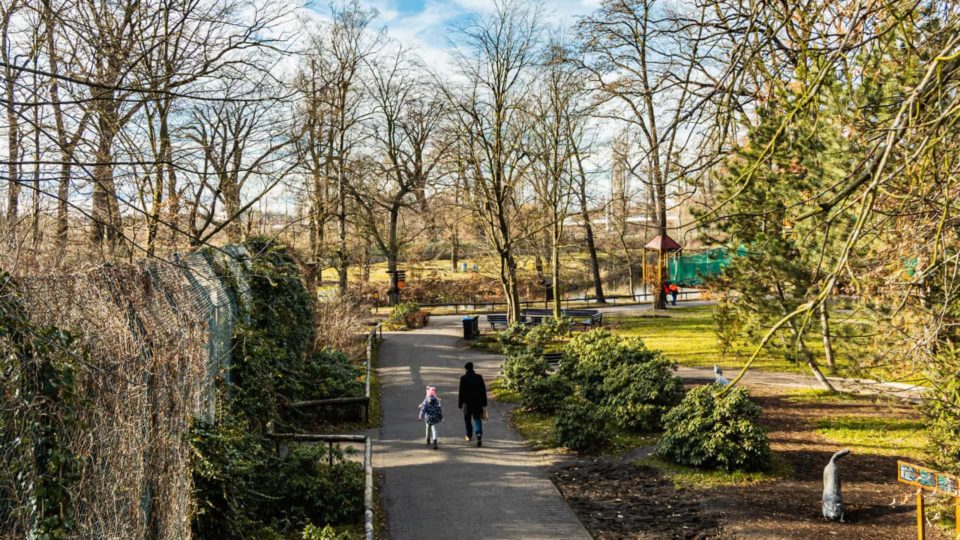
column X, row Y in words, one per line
column 495, row 58
column 242, row 142
column 648, row 68
column 405, row 134
column 340, row 51
column 556, row 110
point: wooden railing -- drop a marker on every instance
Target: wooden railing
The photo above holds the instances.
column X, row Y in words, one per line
column 367, row 465
column 611, row 300
column 374, row 337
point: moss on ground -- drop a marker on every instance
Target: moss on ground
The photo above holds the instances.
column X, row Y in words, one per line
column 885, row 436
column 694, row 478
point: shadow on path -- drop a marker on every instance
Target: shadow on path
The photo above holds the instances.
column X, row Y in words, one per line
column 501, row 490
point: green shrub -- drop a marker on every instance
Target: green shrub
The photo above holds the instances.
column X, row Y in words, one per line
column 42, row 410
column 272, row 337
column 943, row 414
column 556, row 327
column 244, row 491
column 333, row 375
column 599, row 349
column 637, row 396
column 545, row 394
column 581, row 426
column 520, row 370
column 589, row 357
column 715, row 432
column 224, row 457
column 408, row 315
column 312, row 532
column 513, row 340
column 302, row 488
column 539, row 337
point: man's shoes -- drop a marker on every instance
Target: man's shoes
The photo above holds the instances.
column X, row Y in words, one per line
column 428, row 440
column 479, row 440
column 434, row 445
column 467, row 438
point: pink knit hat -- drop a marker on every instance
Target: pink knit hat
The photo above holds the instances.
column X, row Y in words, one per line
column 431, row 391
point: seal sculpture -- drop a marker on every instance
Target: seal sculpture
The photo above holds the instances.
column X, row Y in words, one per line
column 832, row 499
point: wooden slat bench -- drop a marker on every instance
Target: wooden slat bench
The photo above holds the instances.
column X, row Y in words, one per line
column 497, row 318
column 584, row 318
column 553, row 359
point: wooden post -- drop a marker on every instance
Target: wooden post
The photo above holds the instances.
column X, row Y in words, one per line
column 956, row 516
column 920, row 516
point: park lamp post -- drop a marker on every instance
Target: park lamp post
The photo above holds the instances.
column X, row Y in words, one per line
column 664, row 246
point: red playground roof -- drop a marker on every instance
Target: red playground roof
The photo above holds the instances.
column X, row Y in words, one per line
column 663, row 243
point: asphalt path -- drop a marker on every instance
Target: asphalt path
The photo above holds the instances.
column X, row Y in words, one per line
column 458, row 491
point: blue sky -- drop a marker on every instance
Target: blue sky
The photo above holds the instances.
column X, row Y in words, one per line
column 425, row 24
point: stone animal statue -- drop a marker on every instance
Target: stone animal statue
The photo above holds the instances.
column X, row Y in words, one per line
column 832, row 499
column 720, row 379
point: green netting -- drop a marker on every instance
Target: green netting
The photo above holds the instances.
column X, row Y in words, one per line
column 692, row 270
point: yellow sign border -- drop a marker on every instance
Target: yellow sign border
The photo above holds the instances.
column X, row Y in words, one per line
column 936, row 479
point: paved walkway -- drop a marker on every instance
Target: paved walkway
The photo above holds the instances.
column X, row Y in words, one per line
column 459, row 491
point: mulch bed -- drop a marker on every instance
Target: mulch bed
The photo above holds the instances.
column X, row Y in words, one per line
column 621, row 500
column 616, row 499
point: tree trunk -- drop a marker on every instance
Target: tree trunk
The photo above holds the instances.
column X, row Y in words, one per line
column 555, row 267
column 343, row 263
column 35, row 214
column 811, row 361
column 661, row 203
column 66, row 149
column 508, row 278
column 366, row 261
column 393, row 294
column 827, row 342
column 231, row 204
column 106, row 209
column 153, row 225
column 13, row 153
column 594, row 262
column 63, row 192
column 455, row 248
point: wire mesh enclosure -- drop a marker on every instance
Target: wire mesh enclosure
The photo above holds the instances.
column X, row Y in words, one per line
column 159, row 336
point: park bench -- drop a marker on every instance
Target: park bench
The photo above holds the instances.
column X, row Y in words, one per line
column 584, row 318
column 553, row 359
column 533, row 317
column 495, row 319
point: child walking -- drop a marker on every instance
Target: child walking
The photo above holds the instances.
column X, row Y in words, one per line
column 432, row 414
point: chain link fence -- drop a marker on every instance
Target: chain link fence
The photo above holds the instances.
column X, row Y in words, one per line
column 160, row 336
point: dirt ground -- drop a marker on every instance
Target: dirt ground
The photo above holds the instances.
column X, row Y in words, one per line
column 621, row 500
column 617, row 499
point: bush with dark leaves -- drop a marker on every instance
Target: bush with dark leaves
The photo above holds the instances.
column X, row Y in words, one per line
column 521, row 369
column 546, row 394
column 581, row 426
column 715, row 431
column 636, row 396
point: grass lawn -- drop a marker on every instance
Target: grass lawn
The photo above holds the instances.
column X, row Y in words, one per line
column 686, row 336
column 693, row 478
column 501, row 393
column 885, row 436
column 573, row 263
column 539, row 429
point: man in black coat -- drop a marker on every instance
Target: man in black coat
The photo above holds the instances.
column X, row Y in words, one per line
column 473, row 399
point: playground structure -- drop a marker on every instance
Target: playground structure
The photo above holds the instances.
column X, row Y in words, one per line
column 693, row 270
column 672, row 265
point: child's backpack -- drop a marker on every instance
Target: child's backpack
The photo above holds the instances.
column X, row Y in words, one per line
column 433, row 412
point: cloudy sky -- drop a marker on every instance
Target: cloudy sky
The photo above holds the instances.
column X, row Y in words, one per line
column 425, row 24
